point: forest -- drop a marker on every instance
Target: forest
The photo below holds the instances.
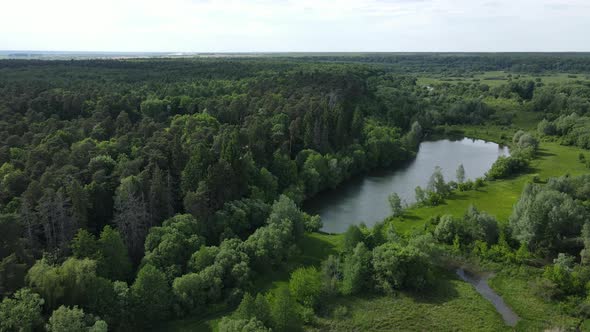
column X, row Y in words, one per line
column 167, row 194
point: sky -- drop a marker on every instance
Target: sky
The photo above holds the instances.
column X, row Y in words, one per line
column 295, row 26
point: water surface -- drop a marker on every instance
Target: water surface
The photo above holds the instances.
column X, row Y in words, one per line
column 364, row 198
column 480, row 283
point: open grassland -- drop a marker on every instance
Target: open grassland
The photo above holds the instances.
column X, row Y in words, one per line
column 497, row 78
column 452, row 305
column 535, row 314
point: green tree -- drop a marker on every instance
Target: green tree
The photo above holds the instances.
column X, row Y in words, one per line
column 401, row 267
column 543, row 216
column 285, row 209
column 22, row 312
column 228, row 324
column 151, row 296
column 155, row 108
column 460, row 174
column 254, row 307
column 395, row 203
column 482, row 226
column 448, row 228
column 414, row 136
column 585, row 253
column 247, row 308
column 305, row 285
column 170, row 246
column 80, row 203
column 45, row 279
column 437, row 183
column 113, row 262
column 84, row 245
column 283, row 311
column 356, row 270
column 420, row 195
column 312, row 223
column 352, row 237
column 66, row 319
column 202, row 258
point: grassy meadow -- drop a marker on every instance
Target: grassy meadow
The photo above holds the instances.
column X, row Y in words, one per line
column 497, row 78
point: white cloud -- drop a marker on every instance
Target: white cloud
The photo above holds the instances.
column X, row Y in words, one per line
column 289, row 25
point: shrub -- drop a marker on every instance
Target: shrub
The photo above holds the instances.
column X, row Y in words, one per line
column 356, row 270
column 306, row 285
column 465, row 186
column 340, row 312
column 312, row 223
column 228, row 324
column 479, row 183
column 507, row 166
column 397, row 267
column 352, row 237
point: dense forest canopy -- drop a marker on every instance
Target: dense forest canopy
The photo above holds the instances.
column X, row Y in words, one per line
column 135, row 191
column 468, row 62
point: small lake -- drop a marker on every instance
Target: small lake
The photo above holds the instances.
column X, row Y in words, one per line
column 364, row 198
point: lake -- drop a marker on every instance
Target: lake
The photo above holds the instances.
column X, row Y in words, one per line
column 364, row 198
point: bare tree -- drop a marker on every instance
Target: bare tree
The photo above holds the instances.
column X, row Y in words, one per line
column 132, row 217
column 55, row 215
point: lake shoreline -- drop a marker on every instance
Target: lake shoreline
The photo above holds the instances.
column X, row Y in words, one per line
column 363, row 198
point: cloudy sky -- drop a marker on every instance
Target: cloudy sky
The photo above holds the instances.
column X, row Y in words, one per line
column 288, row 25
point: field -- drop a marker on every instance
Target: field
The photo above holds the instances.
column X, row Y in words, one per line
column 451, row 306
column 497, row 78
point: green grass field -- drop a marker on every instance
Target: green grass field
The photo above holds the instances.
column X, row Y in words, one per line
column 450, row 306
column 497, row 78
column 535, row 314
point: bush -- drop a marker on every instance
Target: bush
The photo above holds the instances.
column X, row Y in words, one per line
column 475, row 225
column 66, row 319
column 447, row 228
column 284, row 313
column 479, row 183
column 306, row 285
column 312, row 223
column 340, row 312
column 352, row 237
column 228, row 324
column 22, row 312
column 356, row 270
column 545, row 289
column 465, row 186
column 434, row 199
column 397, row 267
column 507, row 166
